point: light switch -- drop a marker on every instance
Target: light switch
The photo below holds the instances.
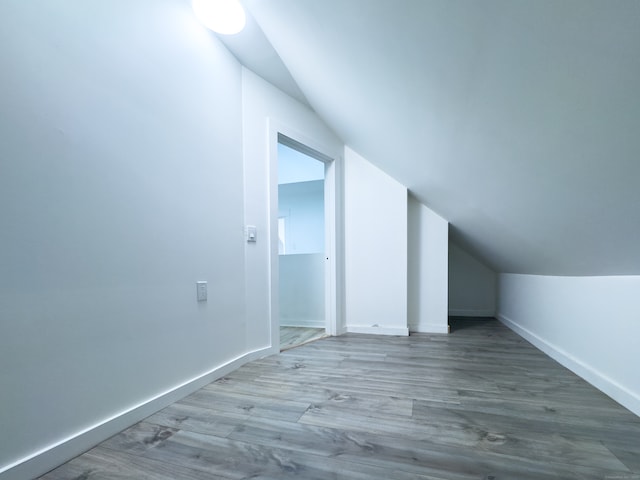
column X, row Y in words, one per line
column 201, row 290
column 252, row 233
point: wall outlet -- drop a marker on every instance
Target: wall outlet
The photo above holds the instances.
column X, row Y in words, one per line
column 201, row 291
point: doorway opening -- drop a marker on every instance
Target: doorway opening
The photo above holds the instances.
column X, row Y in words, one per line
column 301, row 244
column 329, row 159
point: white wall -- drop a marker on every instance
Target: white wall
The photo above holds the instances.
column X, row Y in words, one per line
column 302, row 290
column 265, row 108
column 295, row 166
column 589, row 324
column 428, row 244
column 375, row 249
column 302, row 207
column 472, row 285
column 121, row 185
column 302, row 268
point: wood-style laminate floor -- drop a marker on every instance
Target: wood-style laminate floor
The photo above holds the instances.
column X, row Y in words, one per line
column 480, row 403
column 294, row 336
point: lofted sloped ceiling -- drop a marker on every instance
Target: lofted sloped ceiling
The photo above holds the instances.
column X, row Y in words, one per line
column 255, row 52
column 516, row 120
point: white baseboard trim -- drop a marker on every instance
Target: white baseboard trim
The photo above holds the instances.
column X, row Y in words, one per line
column 397, row 331
column 429, row 328
column 470, row 312
column 619, row 393
column 40, row 462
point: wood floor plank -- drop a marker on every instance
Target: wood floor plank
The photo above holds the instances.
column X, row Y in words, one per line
column 103, row 464
column 480, row 403
column 197, row 419
column 236, row 459
column 295, row 336
column 246, row 405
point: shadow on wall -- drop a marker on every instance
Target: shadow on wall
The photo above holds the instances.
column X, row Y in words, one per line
column 472, row 285
column 468, row 323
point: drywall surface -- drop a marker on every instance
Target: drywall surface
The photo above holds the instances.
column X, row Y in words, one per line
column 589, row 324
column 302, row 267
column 121, row 185
column 472, row 285
column 515, row 120
column 295, row 167
column 302, row 290
column 265, row 107
column 428, row 244
column 375, row 249
column 301, row 209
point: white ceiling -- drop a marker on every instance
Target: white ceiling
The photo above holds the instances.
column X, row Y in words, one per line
column 516, row 120
column 254, row 51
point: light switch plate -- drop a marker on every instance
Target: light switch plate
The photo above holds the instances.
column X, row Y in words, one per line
column 201, row 290
column 252, row 233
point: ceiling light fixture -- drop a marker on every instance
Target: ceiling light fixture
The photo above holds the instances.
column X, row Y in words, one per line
column 222, row 16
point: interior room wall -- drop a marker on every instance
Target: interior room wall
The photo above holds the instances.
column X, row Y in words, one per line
column 428, row 244
column 375, row 249
column 295, row 166
column 301, row 205
column 302, row 290
column 472, row 285
column 302, row 267
column 589, row 324
column 121, row 185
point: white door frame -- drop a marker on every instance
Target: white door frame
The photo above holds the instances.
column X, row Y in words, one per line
column 332, row 230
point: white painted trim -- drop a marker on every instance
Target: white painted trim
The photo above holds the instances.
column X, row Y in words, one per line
column 429, row 328
column 399, row 331
column 330, row 229
column 48, row 458
column 602, row 382
column 470, row 312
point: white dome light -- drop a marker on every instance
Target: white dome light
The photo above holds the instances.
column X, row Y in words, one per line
column 222, row 16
